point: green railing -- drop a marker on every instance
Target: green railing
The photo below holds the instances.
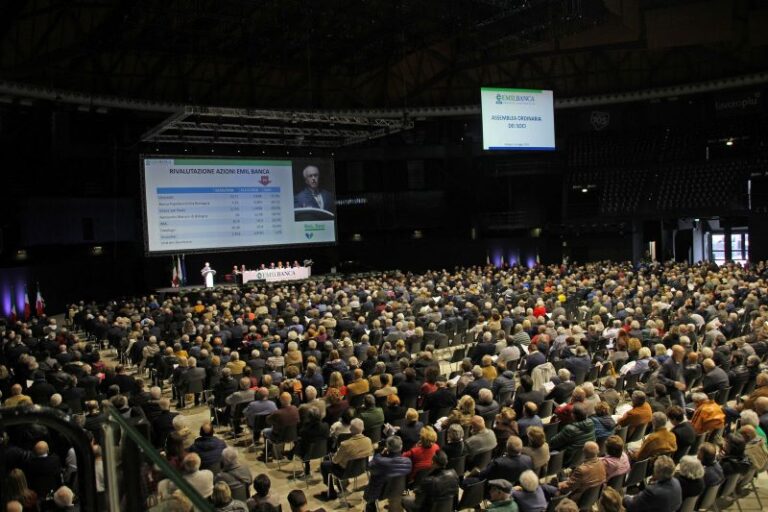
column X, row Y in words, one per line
column 116, row 422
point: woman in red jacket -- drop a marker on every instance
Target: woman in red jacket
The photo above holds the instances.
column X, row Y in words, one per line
column 421, row 454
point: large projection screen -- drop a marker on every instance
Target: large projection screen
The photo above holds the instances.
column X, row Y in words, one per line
column 197, row 204
column 518, row 119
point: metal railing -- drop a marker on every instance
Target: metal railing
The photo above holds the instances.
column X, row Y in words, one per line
column 123, row 474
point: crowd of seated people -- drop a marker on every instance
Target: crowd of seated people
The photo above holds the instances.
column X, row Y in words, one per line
column 567, row 378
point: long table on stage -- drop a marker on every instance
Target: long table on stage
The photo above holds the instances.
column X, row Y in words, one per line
column 275, row 275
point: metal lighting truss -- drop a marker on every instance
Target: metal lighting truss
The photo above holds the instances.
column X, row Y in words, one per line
column 238, row 126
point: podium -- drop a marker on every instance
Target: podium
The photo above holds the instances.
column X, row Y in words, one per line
column 208, row 274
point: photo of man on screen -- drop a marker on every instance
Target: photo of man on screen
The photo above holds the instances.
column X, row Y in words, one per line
column 313, row 202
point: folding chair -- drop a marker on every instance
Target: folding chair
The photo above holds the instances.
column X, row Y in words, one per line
column 393, row 493
column 287, row 435
column 636, row 475
column 589, row 497
column 472, row 496
column 317, row 450
column 354, row 469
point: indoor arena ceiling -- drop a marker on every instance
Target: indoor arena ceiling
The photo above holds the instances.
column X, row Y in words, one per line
column 274, row 54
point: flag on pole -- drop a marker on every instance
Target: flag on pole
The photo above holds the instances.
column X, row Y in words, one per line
column 39, row 302
column 14, row 315
column 175, row 273
column 27, row 307
column 180, row 271
column 184, row 269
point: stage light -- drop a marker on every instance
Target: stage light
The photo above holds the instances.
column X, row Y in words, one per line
column 21, row 255
column 729, row 142
column 584, row 190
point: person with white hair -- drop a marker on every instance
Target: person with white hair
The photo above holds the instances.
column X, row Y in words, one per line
column 750, row 417
column 233, row 473
column 64, row 499
column 200, row 479
column 530, row 495
column 690, row 474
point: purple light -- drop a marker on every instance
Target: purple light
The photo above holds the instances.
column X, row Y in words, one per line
column 496, row 257
column 530, row 261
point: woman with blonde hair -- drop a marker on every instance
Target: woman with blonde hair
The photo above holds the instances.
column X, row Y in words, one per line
column 421, row 454
column 411, row 429
column 223, row 501
column 336, row 382
column 462, row 414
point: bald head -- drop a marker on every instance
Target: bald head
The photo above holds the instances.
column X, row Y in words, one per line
column 41, row 448
column 591, row 450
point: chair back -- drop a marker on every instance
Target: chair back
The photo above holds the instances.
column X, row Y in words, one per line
column 617, row 482
column 722, row 396
column 729, row 486
column 458, row 464
column 481, row 460
column 689, row 504
column 579, row 377
column 316, row 450
column 473, row 496
column 373, row 434
column 636, row 434
column 239, row 492
column 622, row 433
column 355, row 467
column 286, row 434
column 709, row 497
column 458, row 355
column 393, row 492
column 551, row 429
column 590, row 497
column 547, row 406
column 636, row 473
column 504, row 397
column 555, row 464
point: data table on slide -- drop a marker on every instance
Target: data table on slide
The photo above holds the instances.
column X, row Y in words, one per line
column 218, row 213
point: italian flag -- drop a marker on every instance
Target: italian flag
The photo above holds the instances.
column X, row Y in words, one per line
column 27, row 308
column 174, row 273
column 39, row 303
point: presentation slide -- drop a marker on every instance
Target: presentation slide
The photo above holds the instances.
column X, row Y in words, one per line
column 517, row 119
column 207, row 204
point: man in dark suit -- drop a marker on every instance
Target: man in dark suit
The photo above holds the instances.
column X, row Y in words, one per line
column 485, row 347
column 715, row 377
column 664, row 494
column 126, row 382
column 313, row 196
column 162, row 425
column 188, row 378
column 43, row 470
column 473, row 388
